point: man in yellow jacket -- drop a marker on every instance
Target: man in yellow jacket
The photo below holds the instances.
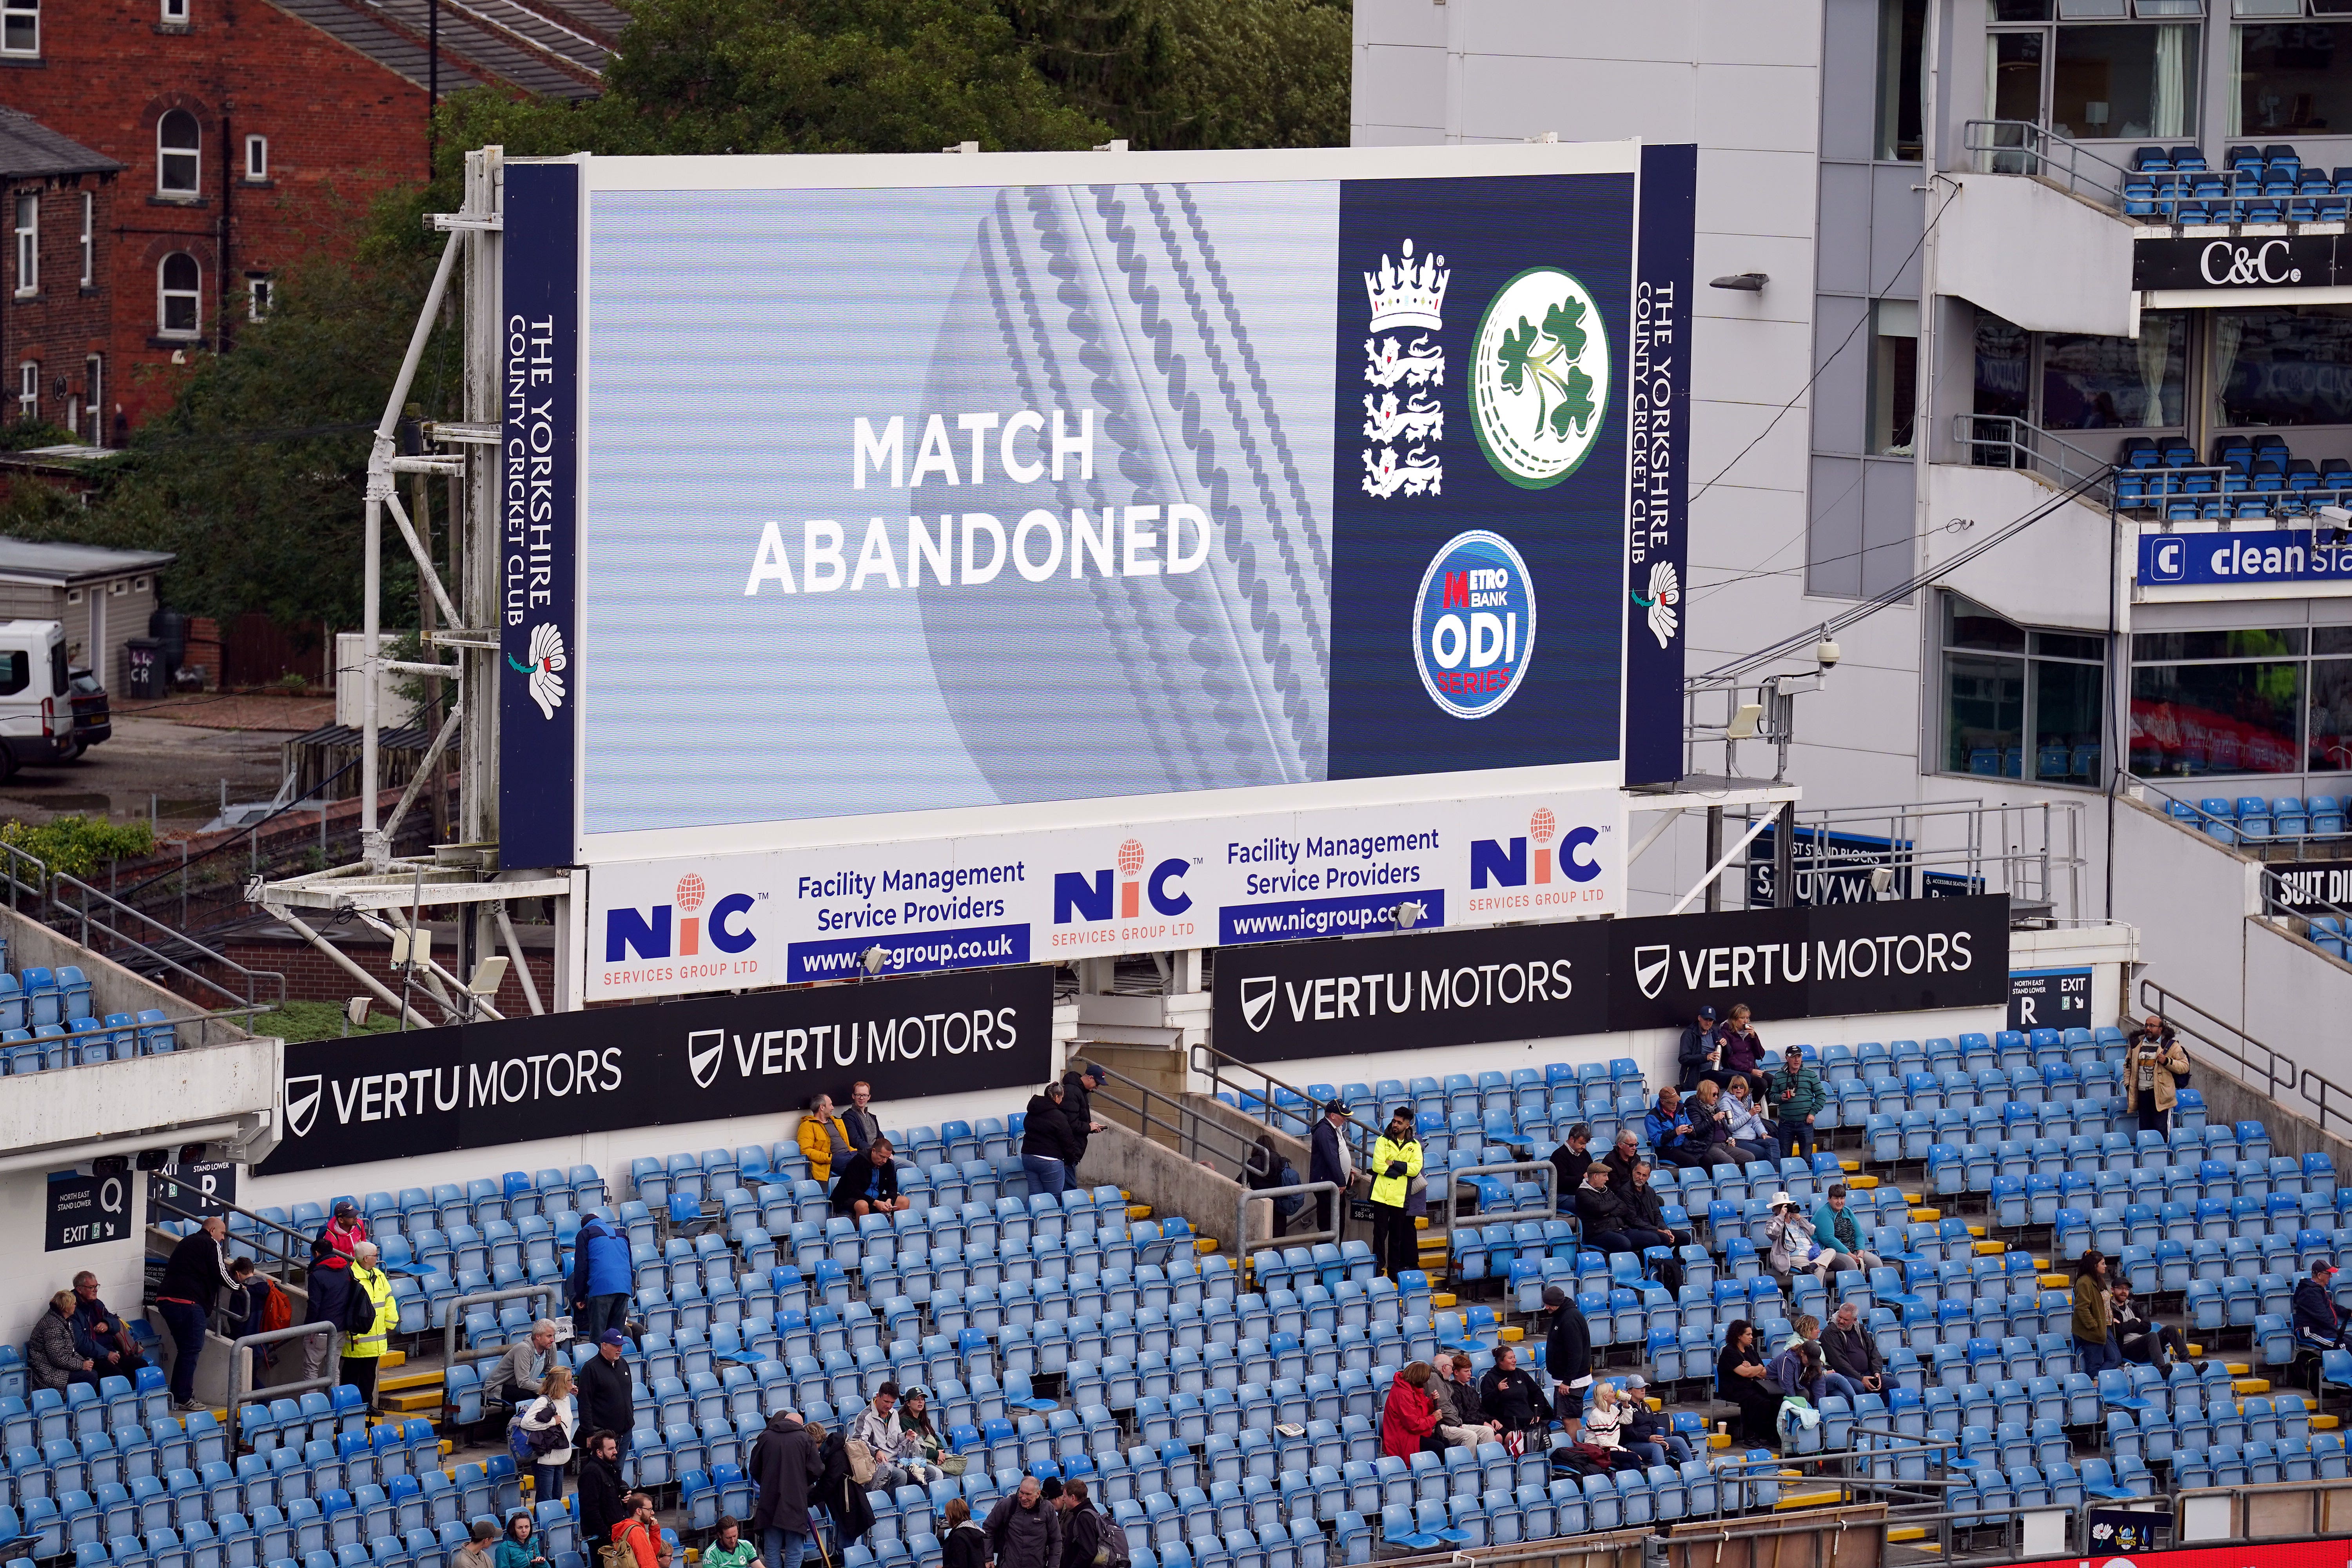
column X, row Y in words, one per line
column 1396, row 1164
column 363, row 1350
column 823, row 1139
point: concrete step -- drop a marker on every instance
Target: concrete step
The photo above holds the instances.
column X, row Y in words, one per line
column 1136, row 1212
column 1861, row 1183
column 1903, row 1534
column 414, row 1401
column 429, row 1377
column 1990, row 1248
column 1923, row 1214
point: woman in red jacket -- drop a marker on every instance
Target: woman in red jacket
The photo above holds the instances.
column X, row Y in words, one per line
column 1409, row 1422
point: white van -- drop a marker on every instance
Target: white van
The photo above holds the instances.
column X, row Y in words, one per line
column 36, row 712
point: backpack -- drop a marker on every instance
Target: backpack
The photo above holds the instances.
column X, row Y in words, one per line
column 527, row 1443
column 861, row 1461
column 1114, row 1552
column 358, row 1309
column 277, row 1311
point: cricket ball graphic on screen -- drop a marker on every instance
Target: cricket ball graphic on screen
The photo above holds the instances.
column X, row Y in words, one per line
column 1474, row 624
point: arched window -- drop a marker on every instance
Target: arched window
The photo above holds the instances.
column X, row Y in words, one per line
column 179, row 154
column 179, row 291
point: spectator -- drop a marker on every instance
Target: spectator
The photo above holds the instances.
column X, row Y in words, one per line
column 194, row 1280
column 54, row 1359
column 601, row 1279
column 823, row 1141
column 1840, row 1233
column 1649, row 1213
column 1648, row 1433
column 1750, row 1133
column 1708, row 1142
column 1601, row 1217
column 1604, row 1419
column 517, row 1376
column 1697, row 1053
column 1666, row 1128
column 1396, row 1164
column 919, row 1443
column 1568, row 1354
column 102, row 1337
column 1263, row 1170
column 1802, row 1368
column 728, row 1549
column 640, row 1530
column 1082, row 1527
column 363, row 1348
column 1736, row 1038
column 1852, row 1350
column 857, row 1118
column 1570, row 1160
column 963, row 1542
column 1794, row 1246
column 328, row 1287
column 1510, row 1398
column 837, row 1491
column 608, row 1392
column 1078, row 1086
column 784, row 1466
column 2150, row 1343
column 1794, row 1096
column 2153, row 1067
column 869, row 1184
column 1623, row 1156
column 877, row 1427
column 1022, row 1529
column 2319, row 1325
column 599, row 1504
column 1047, row 1145
column 551, row 1420
column 1460, row 1421
column 265, row 1308
column 1740, row 1376
column 478, row 1551
column 1409, row 1417
column 345, row 1230
column 2093, row 1319
column 518, row 1548
column 1330, row 1160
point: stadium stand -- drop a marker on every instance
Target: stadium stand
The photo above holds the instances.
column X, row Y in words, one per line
column 45, row 1023
column 1229, row 1417
column 2253, row 185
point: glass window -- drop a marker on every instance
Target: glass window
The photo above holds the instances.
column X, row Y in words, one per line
column 29, row 391
column 2010, row 716
column 2331, row 716
column 2292, row 80
column 20, row 26
column 2169, row 8
column 2019, row 11
column 2165, row 648
column 2331, row 639
column 1902, row 31
column 2003, row 354
column 2285, row 365
column 2066, row 722
column 2189, row 719
column 2065, row 644
column 2125, row 83
column 88, row 238
column 178, row 292
column 28, row 244
column 1894, row 374
column 2093, row 10
column 256, row 157
column 1984, row 708
column 1969, row 626
column 179, row 148
column 2108, row 384
column 258, row 297
column 2266, row 8
column 2013, row 75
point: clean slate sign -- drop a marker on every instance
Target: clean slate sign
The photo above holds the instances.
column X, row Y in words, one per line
column 2287, row 555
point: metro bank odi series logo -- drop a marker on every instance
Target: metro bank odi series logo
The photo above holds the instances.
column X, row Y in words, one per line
column 1474, row 623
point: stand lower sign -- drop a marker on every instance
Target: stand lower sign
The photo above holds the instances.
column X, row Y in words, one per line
column 83, row 1211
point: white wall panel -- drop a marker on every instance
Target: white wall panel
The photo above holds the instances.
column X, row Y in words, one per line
column 1768, row 107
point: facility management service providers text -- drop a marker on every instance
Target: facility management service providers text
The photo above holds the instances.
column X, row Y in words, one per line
column 1008, row 898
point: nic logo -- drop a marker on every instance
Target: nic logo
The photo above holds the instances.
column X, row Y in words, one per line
column 647, row 934
column 1080, row 896
column 1474, row 623
column 2167, row 561
column 1491, row 862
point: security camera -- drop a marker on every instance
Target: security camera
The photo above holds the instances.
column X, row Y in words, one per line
column 1881, row 880
column 1827, row 654
column 1410, row 914
column 871, row 960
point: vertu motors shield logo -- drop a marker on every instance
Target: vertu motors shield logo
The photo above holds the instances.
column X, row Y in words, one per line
column 302, row 1096
column 1257, row 1001
column 705, row 1049
column 1650, row 968
column 1540, row 378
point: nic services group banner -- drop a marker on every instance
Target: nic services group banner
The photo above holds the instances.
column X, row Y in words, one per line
column 962, row 483
column 669, row 928
column 472, row 1086
column 1308, row 1000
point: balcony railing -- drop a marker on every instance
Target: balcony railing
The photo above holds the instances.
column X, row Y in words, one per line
column 2005, row 441
column 2022, row 147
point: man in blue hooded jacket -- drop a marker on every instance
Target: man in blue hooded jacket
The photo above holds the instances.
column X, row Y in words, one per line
column 600, row 1280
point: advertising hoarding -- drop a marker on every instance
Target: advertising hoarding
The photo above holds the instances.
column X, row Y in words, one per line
column 1038, row 489
column 727, row 922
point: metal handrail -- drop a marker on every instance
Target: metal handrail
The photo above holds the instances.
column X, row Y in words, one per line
column 2024, row 147
column 1248, row 1246
column 286, row 1259
column 2006, row 441
column 1187, row 1126
column 451, row 1355
column 1216, row 1067
column 2275, row 1071
column 1548, row 1174
column 241, row 1392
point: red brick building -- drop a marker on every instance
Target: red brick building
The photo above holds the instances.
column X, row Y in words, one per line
column 224, row 138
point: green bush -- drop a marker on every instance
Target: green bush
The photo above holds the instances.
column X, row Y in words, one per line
column 77, row 846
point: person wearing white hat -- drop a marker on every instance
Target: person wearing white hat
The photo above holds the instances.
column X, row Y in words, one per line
column 1794, row 1246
